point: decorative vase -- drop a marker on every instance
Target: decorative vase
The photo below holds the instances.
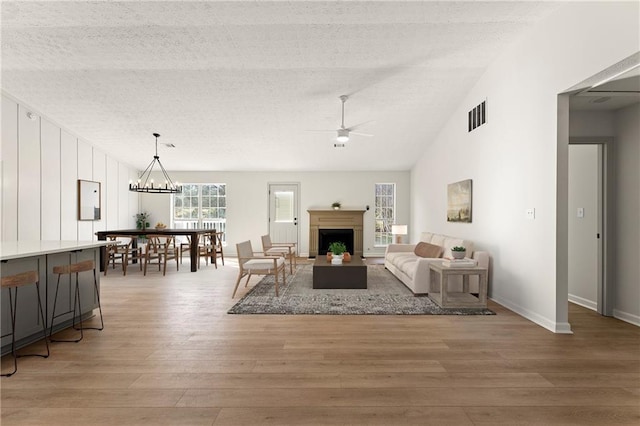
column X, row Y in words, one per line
column 458, row 254
column 329, row 256
column 336, row 260
column 336, row 208
column 346, row 257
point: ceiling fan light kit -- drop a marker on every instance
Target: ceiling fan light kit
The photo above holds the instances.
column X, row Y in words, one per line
column 343, row 135
column 145, row 182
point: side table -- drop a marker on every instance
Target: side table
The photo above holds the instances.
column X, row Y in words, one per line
column 464, row 299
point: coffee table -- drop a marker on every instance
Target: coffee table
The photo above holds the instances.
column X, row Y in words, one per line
column 348, row 275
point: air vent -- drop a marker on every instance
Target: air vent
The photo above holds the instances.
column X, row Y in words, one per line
column 169, row 145
column 339, row 145
column 478, row 116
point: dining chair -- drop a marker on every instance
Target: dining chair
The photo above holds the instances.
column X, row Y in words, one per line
column 218, row 245
column 184, row 245
column 286, row 250
column 256, row 263
column 206, row 249
column 120, row 250
column 160, row 249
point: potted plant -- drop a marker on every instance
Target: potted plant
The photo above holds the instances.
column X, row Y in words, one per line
column 336, row 205
column 458, row 252
column 337, row 249
column 142, row 220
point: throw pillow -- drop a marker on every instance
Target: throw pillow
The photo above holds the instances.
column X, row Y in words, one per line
column 428, row 250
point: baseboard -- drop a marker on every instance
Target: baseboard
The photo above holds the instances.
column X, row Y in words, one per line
column 627, row 317
column 585, row 303
column 556, row 327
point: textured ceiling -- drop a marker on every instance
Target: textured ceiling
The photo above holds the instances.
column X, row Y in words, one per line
column 237, row 85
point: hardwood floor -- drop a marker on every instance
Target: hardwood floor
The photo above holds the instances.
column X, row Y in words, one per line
column 170, row 354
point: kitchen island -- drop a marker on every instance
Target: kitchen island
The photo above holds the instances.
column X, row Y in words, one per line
column 42, row 256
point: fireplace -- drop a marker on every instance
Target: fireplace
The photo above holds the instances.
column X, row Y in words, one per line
column 328, row 236
column 333, row 223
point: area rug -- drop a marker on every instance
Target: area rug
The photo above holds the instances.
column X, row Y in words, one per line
column 385, row 295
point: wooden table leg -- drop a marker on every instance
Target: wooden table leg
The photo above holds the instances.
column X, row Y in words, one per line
column 194, row 253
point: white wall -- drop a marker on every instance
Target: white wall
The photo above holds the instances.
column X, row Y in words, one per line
column 627, row 132
column 583, row 248
column 512, row 159
column 41, row 164
column 247, row 200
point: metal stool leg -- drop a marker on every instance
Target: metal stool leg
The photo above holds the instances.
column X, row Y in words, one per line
column 76, row 302
column 95, row 286
column 13, row 305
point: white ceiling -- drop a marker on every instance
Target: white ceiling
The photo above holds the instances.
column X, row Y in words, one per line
column 236, row 85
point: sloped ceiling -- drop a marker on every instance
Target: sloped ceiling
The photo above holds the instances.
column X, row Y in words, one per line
column 237, row 85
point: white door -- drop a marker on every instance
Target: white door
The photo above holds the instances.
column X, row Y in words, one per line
column 283, row 212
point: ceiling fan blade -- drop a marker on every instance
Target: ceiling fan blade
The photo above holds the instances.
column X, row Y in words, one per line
column 360, row 134
column 321, row 131
column 361, row 124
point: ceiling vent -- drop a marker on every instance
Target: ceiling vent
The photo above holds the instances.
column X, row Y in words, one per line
column 339, row 145
column 478, row 116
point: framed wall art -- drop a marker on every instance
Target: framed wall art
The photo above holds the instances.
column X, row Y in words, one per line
column 459, row 201
column 88, row 200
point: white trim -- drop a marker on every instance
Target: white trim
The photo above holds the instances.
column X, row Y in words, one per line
column 556, row 327
column 627, row 317
column 585, row 303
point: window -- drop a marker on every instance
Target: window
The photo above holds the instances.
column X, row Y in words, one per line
column 284, row 206
column 201, row 205
column 385, row 212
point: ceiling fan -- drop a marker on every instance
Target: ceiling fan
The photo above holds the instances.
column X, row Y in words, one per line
column 343, row 132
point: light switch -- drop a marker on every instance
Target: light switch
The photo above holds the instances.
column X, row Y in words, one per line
column 530, row 213
column 580, row 212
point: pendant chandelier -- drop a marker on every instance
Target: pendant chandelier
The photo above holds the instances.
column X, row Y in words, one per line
column 146, row 184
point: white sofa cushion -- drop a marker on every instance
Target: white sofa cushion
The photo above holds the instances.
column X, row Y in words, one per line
column 438, row 240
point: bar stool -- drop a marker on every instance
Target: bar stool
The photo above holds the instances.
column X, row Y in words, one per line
column 75, row 268
column 14, row 282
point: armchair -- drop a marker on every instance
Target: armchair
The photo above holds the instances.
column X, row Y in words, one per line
column 254, row 263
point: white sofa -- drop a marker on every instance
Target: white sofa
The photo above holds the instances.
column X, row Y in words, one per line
column 413, row 270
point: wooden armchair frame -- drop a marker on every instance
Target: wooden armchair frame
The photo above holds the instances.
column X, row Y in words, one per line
column 256, row 263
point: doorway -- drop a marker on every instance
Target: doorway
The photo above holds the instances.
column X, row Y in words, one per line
column 586, row 263
column 283, row 212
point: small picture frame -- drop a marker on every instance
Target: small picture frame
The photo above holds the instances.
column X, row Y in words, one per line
column 89, row 200
column 459, row 198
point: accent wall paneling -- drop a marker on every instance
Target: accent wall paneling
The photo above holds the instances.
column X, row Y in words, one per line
column 111, row 192
column 124, row 216
column 68, row 186
column 28, row 176
column 9, row 160
column 50, row 150
column 100, row 175
column 41, row 163
column 85, row 171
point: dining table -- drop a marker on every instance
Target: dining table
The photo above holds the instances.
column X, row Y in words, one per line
column 193, row 234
